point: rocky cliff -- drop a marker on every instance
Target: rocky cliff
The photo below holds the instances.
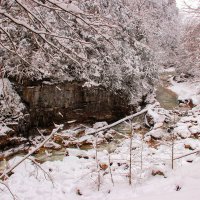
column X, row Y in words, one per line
column 62, row 102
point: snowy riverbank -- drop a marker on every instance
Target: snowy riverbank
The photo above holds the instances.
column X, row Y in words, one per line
column 187, row 90
column 81, row 172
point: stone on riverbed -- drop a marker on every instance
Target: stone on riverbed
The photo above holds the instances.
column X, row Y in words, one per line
column 158, row 125
column 78, row 153
column 52, row 145
column 182, row 131
column 99, row 125
column 156, row 134
column 195, row 130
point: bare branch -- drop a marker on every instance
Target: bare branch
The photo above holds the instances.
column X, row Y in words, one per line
column 14, row 52
column 13, row 196
column 86, row 22
column 186, row 155
column 45, row 173
column 9, row 37
column 31, row 13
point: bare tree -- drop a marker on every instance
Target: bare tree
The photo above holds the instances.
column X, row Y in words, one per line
column 189, row 50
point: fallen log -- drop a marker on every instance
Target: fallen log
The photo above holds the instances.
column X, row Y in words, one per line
column 31, row 152
column 122, row 120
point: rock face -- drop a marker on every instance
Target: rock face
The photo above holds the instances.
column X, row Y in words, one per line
column 62, row 102
column 8, row 138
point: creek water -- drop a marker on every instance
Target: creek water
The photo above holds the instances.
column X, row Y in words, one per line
column 123, row 130
column 165, row 97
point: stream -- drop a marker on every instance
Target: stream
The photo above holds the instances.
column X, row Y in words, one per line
column 165, row 97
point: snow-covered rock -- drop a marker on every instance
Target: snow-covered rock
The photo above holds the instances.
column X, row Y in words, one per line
column 99, row 125
column 86, row 139
column 52, row 145
column 157, row 118
column 4, row 130
column 195, row 130
column 186, row 91
column 89, row 131
column 182, row 131
column 77, row 152
column 10, row 101
column 158, row 125
column 191, row 143
column 156, row 134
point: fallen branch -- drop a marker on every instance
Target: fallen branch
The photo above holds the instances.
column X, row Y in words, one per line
column 121, row 120
column 33, row 151
column 186, row 155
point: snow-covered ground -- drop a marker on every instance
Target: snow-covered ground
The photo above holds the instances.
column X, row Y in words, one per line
column 187, row 90
column 78, row 175
column 77, row 178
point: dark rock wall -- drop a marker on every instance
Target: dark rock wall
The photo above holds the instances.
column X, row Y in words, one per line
column 48, row 103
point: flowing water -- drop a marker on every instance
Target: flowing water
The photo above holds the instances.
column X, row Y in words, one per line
column 165, row 97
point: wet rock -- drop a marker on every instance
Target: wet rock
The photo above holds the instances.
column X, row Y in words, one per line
column 8, row 138
column 191, row 144
column 99, row 125
column 158, row 125
column 53, row 145
column 72, row 101
column 103, row 166
column 187, row 146
column 157, row 172
column 78, row 192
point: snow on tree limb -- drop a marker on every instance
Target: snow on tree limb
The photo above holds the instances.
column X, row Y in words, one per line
column 112, row 43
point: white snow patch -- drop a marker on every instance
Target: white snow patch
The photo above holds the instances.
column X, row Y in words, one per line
column 4, row 130
column 187, row 90
column 182, row 131
column 89, row 84
column 157, row 133
column 99, row 125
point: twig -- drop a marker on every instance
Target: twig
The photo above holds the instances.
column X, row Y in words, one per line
column 50, row 178
column 186, row 155
column 13, row 196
